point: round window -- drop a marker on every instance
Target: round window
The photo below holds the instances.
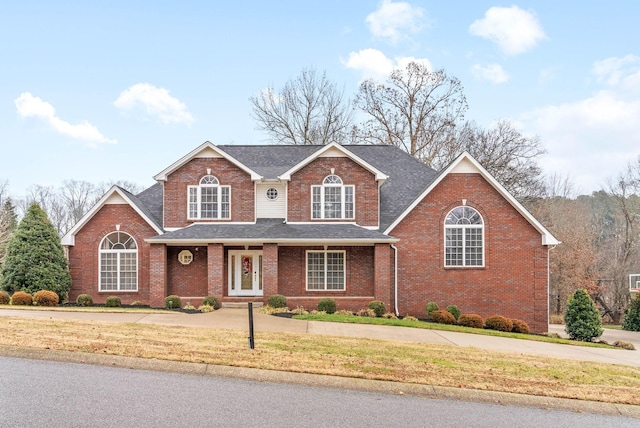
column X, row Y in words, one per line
column 185, row 257
column 272, row 193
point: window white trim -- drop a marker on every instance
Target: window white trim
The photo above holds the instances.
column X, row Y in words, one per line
column 332, row 279
column 333, row 200
column 209, row 200
column 464, row 238
column 122, row 247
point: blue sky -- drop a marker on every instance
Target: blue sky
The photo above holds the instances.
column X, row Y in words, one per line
column 100, row 91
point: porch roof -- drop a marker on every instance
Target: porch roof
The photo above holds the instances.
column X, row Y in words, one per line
column 273, row 231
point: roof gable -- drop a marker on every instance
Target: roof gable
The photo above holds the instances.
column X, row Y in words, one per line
column 335, row 150
column 465, row 163
column 205, row 150
column 115, row 195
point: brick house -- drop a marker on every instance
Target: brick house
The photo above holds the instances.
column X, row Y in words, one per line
column 355, row 223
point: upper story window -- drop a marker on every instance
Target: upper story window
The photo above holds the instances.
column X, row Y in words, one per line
column 333, row 199
column 118, row 263
column 209, row 200
column 464, row 238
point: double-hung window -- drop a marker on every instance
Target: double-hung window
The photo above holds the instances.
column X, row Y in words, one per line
column 209, row 200
column 464, row 238
column 333, row 199
column 118, row 263
column 325, row 270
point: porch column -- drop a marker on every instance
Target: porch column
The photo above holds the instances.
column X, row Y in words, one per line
column 269, row 270
column 215, row 270
column 382, row 275
column 157, row 275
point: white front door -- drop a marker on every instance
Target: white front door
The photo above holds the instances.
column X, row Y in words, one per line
column 245, row 273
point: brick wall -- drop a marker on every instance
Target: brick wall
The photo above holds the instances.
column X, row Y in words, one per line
column 83, row 256
column 176, row 190
column 366, row 189
column 513, row 281
column 359, row 278
column 187, row 280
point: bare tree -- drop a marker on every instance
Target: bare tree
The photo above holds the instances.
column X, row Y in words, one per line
column 508, row 155
column 308, row 110
column 415, row 109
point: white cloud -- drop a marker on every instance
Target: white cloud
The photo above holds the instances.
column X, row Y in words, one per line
column 30, row 106
column 395, row 21
column 372, row 63
column 513, row 29
column 492, row 72
column 156, row 102
column 593, row 139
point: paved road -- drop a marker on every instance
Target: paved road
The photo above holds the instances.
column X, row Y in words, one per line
column 53, row 394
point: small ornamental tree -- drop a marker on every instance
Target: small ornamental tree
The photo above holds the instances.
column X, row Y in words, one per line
column 632, row 315
column 35, row 259
column 582, row 319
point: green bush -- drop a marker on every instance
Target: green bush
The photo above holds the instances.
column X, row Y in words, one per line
column 454, row 310
column 84, row 300
column 327, row 305
column 4, row 298
column 277, row 301
column 632, row 315
column 211, row 301
column 46, row 298
column 378, row 307
column 113, row 302
column 499, row 323
column 172, row 302
column 443, row 317
column 431, row 306
column 20, row 298
column 471, row 320
column 582, row 319
column 520, row 326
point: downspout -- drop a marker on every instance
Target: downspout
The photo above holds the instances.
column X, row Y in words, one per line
column 395, row 279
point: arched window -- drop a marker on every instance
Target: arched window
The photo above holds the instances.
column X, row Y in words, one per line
column 464, row 238
column 333, row 199
column 209, row 200
column 118, row 263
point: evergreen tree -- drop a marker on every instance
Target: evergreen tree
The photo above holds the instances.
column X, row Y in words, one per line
column 632, row 315
column 35, row 259
column 582, row 318
column 8, row 224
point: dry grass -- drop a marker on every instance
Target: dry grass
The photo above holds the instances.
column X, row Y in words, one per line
column 348, row 357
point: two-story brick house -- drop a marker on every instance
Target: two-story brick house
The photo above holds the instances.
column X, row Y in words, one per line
column 355, row 223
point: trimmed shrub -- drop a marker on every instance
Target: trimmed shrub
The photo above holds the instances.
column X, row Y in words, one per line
column 46, row 298
column 471, row 320
column 4, row 298
column 431, row 306
column 205, row 308
column 366, row 312
column 113, row 302
column 454, row 310
column 172, row 302
column 277, row 301
column 84, row 300
column 20, row 298
column 211, row 301
column 582, row 319
column 499, row 323
column 378, row 307
column 520, row 326
column 327, row 305
column 632, row 315
column 443, row 317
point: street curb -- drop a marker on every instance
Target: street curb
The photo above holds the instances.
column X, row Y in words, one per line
column 376, row 386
